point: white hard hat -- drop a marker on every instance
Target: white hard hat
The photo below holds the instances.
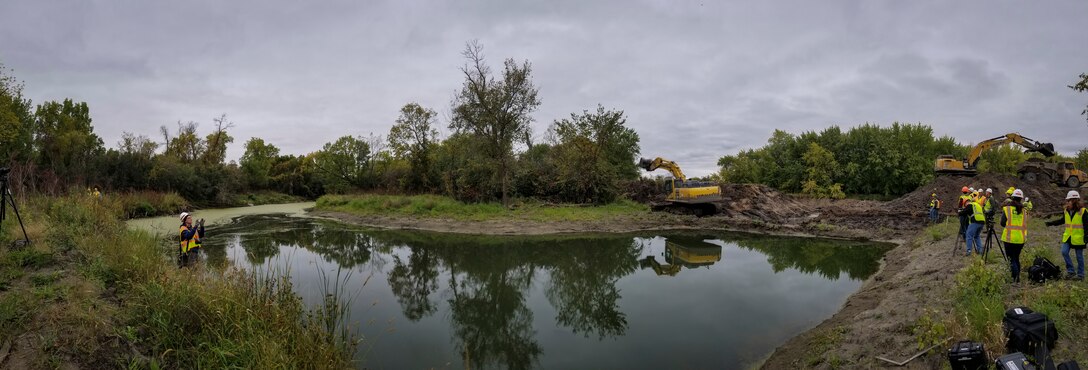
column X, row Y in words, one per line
column 1073, row 194
column 988, row 190
column 1018, row 193
column 972, row 189
column 184, row 215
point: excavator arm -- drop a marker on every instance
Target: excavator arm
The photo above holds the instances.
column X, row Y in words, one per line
column 672, row 167
column 1046, row 149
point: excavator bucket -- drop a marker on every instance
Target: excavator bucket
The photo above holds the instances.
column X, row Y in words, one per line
column 1046, row 149
column 644, row 163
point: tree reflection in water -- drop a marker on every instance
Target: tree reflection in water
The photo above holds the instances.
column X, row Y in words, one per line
column 486, row 280
column 489, row 279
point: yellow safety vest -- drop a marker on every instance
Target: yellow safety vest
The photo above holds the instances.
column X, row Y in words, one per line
column 977, row 210
column 187, row 245
column 964, row 199
column 1074, row 228
column 1016, row 230
column 935, row 203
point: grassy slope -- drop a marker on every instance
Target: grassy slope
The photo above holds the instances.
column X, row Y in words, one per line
column 982, row 294
column 91, row 293
column 434, row 206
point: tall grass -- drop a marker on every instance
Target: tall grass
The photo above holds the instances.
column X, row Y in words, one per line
column 170, row 317
column 434, row 206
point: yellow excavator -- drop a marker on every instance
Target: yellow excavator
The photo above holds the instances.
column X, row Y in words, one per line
column 683, row 252
column 950, row 165
column 683, row 196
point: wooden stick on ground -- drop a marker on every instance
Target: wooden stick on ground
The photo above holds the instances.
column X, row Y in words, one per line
column 904, row 362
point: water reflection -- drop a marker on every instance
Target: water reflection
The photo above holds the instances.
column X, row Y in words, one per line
column 828, row 258
column 690, row 252
column 488, row 290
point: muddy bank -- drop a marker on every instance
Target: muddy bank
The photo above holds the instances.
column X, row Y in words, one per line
column 749, row 208
column 878, row 319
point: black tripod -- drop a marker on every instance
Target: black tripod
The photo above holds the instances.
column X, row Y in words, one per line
column 961, row 238
column 990, row 240
column 7, row 198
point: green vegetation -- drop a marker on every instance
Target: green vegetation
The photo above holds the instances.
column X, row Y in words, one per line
column 867, row 159
column 95, row 294
column 982, row 294
column 436, row 206
column 1081, row 86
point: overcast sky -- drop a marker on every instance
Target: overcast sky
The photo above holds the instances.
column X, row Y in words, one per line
column 697, row 79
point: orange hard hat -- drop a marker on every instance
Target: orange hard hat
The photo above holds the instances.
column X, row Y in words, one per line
column 966, row 189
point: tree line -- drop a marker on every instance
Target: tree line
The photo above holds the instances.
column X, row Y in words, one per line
column 488, row 155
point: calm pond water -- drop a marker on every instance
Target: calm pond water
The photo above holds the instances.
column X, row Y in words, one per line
column 658, row 300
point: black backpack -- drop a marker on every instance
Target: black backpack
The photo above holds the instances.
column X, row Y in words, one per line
column 1042, row 270
column 1029, row 332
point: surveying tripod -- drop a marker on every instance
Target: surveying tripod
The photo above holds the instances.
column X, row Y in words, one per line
column 7, row 198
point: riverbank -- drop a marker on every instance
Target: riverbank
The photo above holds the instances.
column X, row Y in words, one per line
column 746, row 208
column 925, row 293
column 91, row 293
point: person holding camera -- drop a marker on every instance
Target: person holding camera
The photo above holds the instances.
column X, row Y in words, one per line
column 191, row 234
column 1073, row 238
column 1014, row 233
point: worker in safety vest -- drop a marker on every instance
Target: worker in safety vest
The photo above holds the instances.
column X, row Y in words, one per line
column 1014, row 221
column 987, row 200
column 965, row 198
column 977, row 218
column 934, row 207
column 189, row 244
column 1073, row 237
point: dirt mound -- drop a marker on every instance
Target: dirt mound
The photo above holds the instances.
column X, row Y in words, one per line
column 760, row 202
column 1046, row 198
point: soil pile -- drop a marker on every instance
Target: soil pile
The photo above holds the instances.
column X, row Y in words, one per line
column 760, row 202
column 1046, row 198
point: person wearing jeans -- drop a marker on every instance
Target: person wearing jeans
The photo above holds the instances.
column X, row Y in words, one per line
column 1079, row 251
column 1073, row 238
column 977, row 219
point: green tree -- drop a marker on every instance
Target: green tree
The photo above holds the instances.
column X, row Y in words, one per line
column 461, row 169
column 344, row 164
column 257, row 162
column 185, row 146
column 497, row 111
column 821, row 167
column 215, row 151
column 16, row 121
column 1082, row 86
column 1002, row 159
column 594, row 152
column 1081, row 160
column 65, row 140
column 412, row 138
column 129, row 166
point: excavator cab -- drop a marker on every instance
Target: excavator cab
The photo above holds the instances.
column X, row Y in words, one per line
column 683, row 252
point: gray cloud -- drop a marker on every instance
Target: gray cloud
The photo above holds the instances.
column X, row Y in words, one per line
column 697, row 79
